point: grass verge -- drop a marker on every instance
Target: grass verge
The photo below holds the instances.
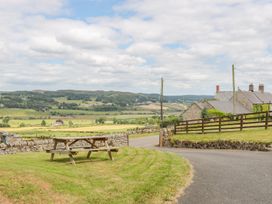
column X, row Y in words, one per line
column 136, row 176
column 257, row 135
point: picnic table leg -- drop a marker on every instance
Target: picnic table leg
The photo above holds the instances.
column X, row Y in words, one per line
column 93, row 146
column 89, row 154
column 109, row 151
column 54, row 147
column 70, row 155
column 72, row 159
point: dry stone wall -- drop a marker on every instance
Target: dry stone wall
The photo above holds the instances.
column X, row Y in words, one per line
column 220, row 144
column 168, row 141
column 11, row 144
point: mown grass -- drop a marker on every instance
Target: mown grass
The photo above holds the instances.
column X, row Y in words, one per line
column 135, row 176
column 256, row 135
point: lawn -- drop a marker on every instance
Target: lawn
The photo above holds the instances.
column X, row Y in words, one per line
column 135, row 176
column 256, row 135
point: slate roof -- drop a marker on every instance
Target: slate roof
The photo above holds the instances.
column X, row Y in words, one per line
column 264, row 97
column 227, row 107
column 223, row 95
column 255, row 97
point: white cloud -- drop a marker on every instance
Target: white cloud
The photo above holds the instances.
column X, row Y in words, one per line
column 132, row 53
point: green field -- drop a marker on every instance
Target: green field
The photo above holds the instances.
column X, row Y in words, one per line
column 257, row 135
column 135, row 176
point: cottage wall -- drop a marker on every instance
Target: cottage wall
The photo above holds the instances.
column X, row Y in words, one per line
column 193, row 112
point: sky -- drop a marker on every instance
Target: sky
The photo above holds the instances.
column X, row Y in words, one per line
column 128, row 45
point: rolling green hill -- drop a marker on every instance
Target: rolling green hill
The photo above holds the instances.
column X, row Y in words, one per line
column 85, row 100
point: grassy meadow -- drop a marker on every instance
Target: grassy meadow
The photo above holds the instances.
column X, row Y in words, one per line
column 28, row 123
column 135, row 176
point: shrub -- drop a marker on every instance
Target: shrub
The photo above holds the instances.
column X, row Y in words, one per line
column 215, row 113
column 100, row 121
column 43, row 123
column 4, row 125
column 5, row 120
column 22, row 125
column 71, row 124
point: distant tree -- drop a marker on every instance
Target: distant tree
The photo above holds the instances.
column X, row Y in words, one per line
column 100, row 121
column 204, row 113
column 22, row 125
column 43, row 123
column 6, row 120
column 71, row 124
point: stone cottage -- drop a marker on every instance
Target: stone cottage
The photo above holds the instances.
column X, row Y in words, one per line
column 246, row 102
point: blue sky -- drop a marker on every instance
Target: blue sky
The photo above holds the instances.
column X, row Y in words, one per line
column 82, row 9
column 128, row 45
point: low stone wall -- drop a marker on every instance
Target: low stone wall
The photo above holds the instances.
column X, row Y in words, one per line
column 168, row 141
column 220, row 144
column 14, row 144
column 147, row 129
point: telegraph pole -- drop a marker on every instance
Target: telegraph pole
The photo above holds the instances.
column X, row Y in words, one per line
column 233, row 89
column 161, row 101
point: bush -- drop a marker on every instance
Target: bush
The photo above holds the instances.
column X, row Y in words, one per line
column 43, row 123
column 215, row 113
column 71, row 124
column 171, row 120
column 100, row 121
column 5, row 120
column 22, row 125
column 4, row 125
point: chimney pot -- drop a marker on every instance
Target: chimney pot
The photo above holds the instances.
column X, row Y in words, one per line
column 261, row 88
column 251, row 88
column 217, row 88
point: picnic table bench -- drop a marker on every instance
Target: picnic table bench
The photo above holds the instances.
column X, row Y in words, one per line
column 73, row 150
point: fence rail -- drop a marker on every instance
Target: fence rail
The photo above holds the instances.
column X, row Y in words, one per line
column 225, row 124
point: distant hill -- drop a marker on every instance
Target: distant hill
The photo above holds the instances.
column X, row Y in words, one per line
column 92, row 100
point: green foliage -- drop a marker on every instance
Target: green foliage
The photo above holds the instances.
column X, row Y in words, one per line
column 215, row 113
column 171, row 120
column 100, row 120
column 204, row 113
column 261, row 107
column 70, row 123
column 4, row 125
column 43, row 123
column 22, row 125
column 5, row 120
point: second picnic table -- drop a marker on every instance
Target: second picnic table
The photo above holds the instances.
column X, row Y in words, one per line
column 71, row 150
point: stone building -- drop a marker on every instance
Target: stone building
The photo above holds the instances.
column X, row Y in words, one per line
column 246, row 102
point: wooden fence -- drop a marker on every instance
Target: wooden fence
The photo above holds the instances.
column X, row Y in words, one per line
column 225, row 124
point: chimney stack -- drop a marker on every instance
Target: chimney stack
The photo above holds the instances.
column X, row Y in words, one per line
column 261, row 88
column 251, row 88
column 217, row 88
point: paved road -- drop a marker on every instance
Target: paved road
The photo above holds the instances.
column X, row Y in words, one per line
column 222, row 176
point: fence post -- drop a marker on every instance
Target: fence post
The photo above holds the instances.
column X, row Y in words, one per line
column 175, row 129
column 187, row 127
column 220, row 119
column 266, row 120
column 241, row 122
column 202, row 125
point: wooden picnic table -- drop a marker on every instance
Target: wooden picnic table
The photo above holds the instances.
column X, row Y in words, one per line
column 73, row 150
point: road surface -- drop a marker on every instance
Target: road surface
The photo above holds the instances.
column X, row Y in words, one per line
column 223, row 176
